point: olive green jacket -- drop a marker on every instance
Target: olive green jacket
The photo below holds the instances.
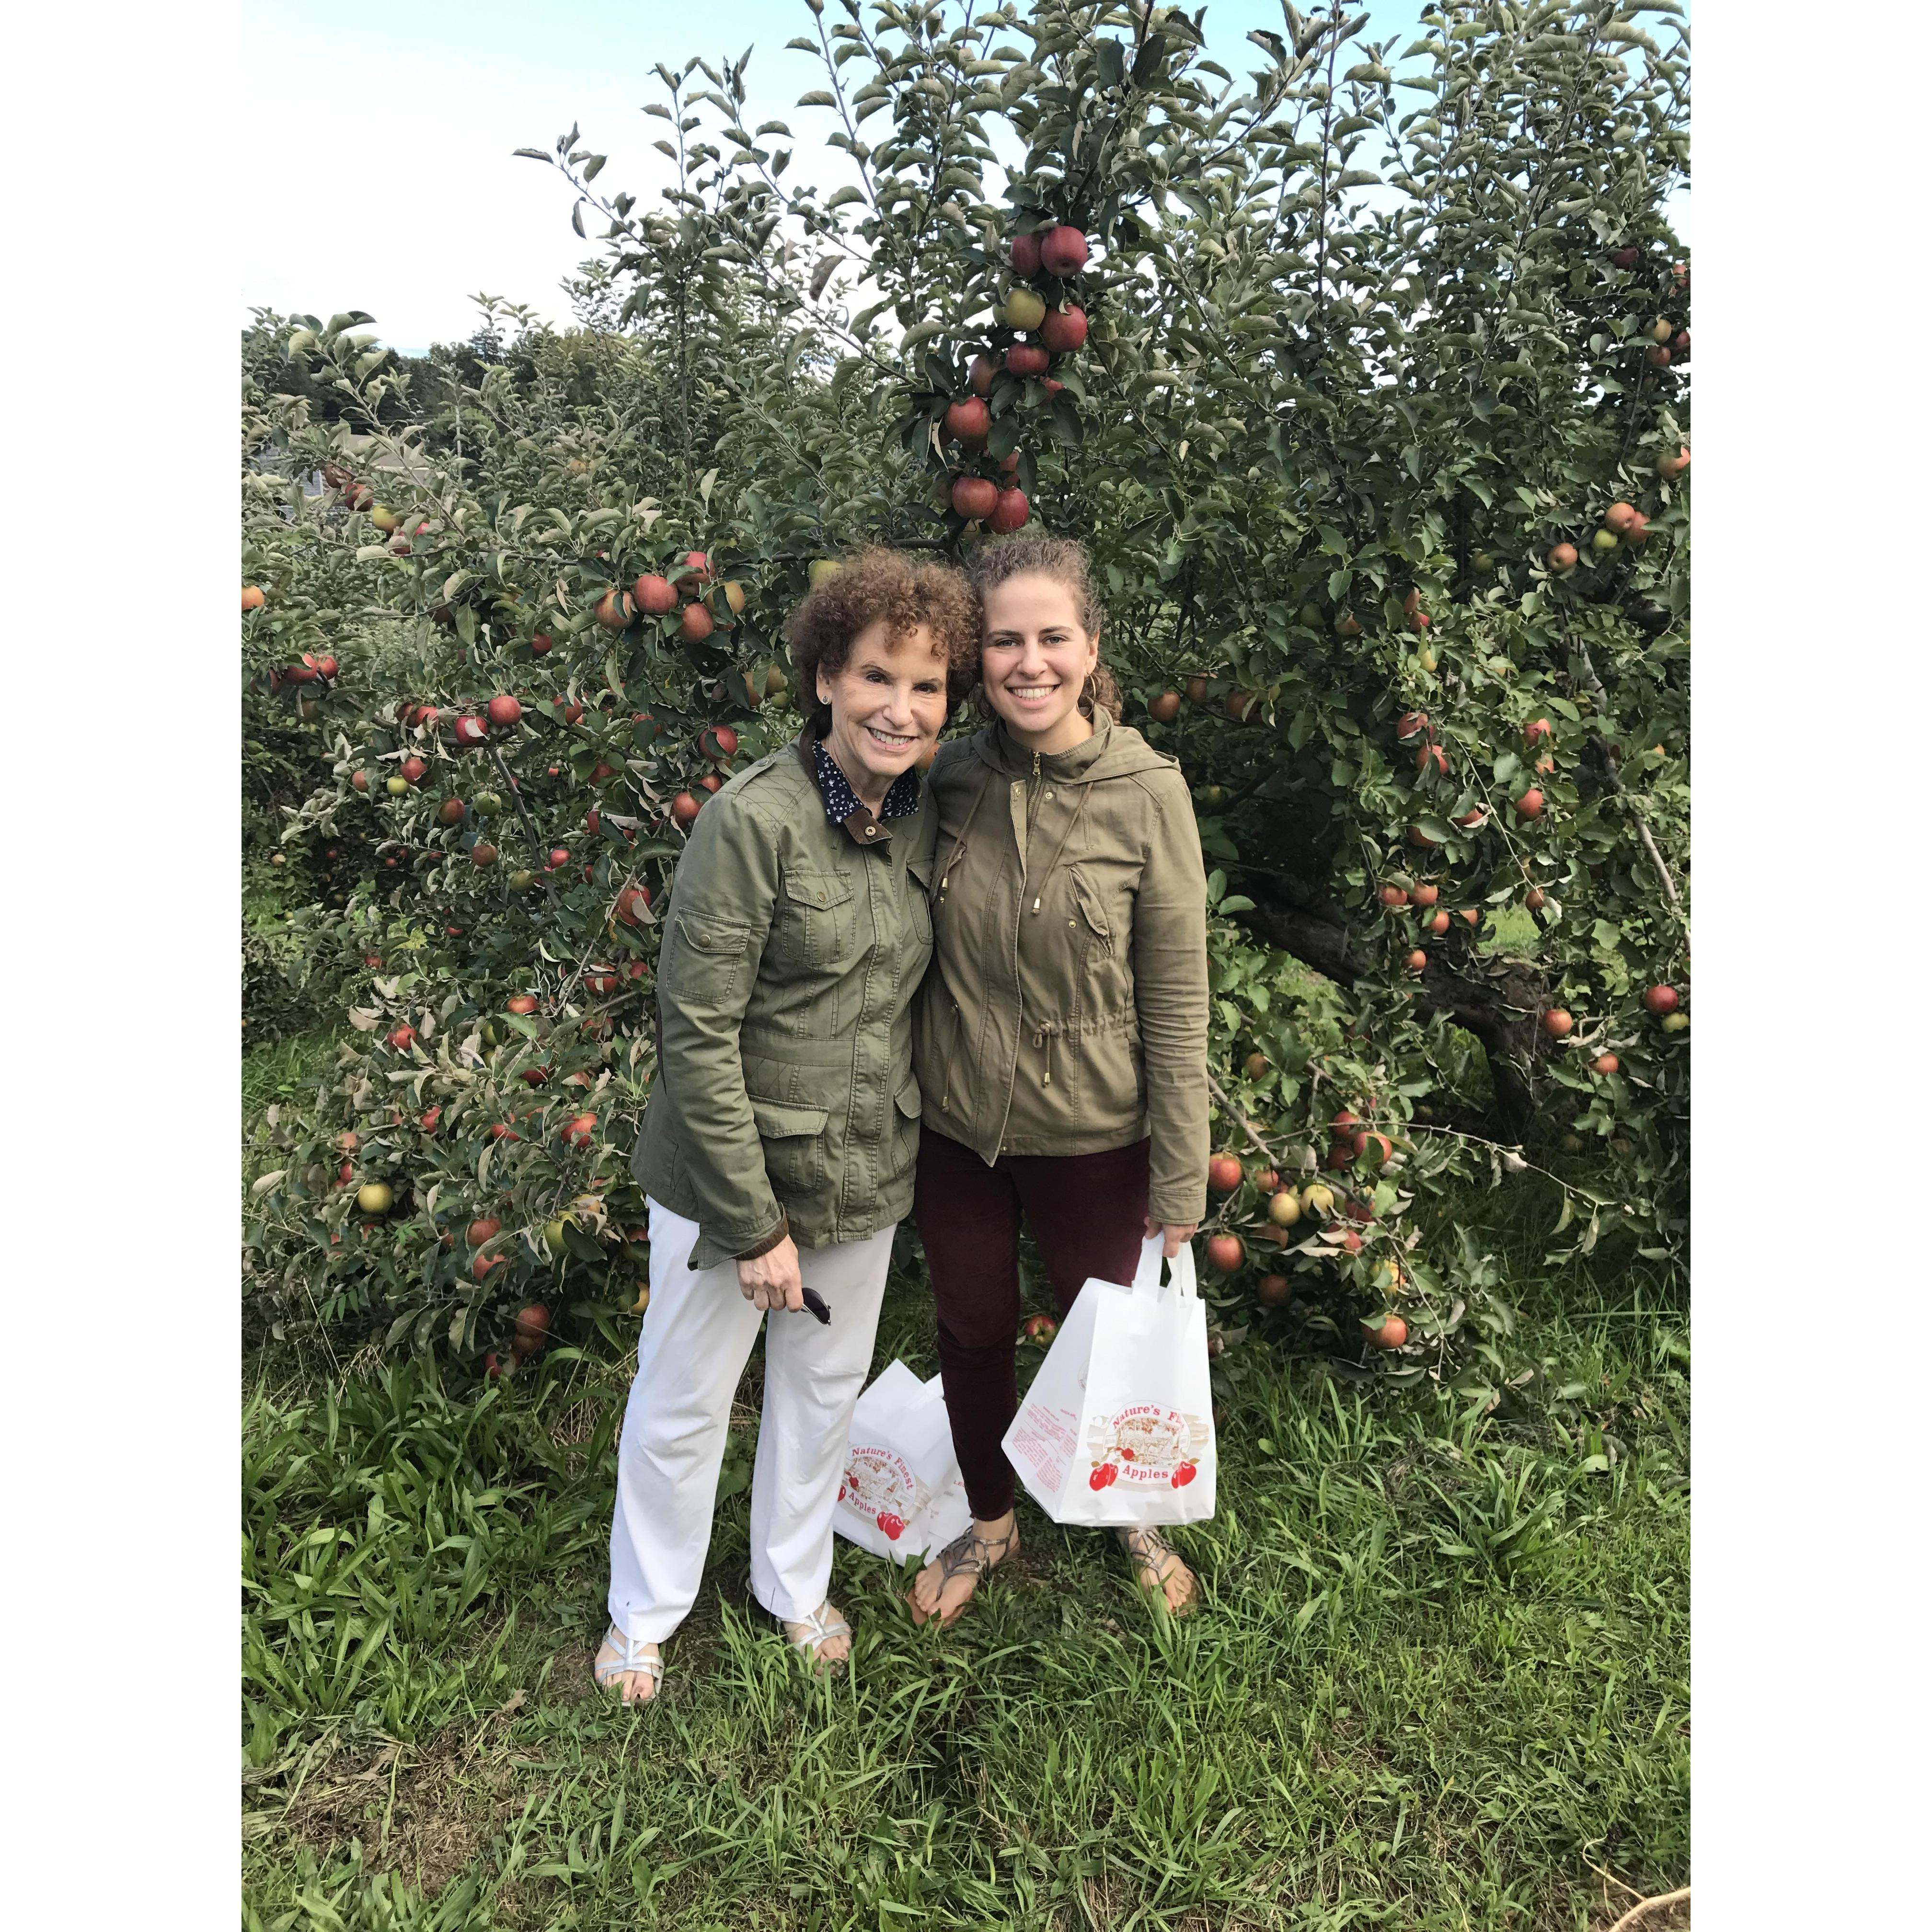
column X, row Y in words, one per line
column 790, row 951
column 1066, row 1010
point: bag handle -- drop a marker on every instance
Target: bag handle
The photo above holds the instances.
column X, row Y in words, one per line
column 1181, row 1277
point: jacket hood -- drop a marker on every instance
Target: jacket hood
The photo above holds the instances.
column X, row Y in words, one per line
column 1113, row 751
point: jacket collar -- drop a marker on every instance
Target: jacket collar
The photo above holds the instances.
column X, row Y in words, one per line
column 1112, row 751
column 861, row 825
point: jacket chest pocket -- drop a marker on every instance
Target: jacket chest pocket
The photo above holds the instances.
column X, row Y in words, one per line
column 817, row 919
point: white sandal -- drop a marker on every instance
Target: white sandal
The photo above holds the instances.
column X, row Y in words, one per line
column 630, row 1657
column 818, row 1630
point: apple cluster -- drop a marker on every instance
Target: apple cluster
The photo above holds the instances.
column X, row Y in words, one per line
column 1029, row 331
column 1336, row 1228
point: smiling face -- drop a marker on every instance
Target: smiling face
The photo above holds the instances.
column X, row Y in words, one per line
column 1035, row 659
column 889, row 705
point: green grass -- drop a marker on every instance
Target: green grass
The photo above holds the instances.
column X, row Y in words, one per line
column 284, row 1069
column 1441, row 1674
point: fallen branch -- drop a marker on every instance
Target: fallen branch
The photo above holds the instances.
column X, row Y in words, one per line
column 1680, row 1896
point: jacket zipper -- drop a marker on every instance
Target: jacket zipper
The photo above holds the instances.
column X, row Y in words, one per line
column 1033, row 810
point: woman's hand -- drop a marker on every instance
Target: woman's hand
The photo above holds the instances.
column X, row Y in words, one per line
column 772, row 1279
column 1174, row 1235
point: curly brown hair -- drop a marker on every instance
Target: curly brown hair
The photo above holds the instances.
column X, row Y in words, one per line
column 884, row 586
column 1065, row 562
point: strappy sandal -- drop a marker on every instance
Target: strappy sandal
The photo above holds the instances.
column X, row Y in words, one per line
column 1153, row 1556
column 960, row 1556
column 630, row 1657
column 818, row 1629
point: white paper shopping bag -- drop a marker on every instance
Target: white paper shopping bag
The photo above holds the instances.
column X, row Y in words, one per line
column 900, row 1495
column 1118, row 1426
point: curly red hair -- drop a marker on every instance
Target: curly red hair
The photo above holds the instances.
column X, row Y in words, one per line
column 888, row 586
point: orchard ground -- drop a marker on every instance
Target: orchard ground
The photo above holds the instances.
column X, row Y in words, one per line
column 1441, row 1680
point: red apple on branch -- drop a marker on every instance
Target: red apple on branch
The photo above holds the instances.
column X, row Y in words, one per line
column 1063, row 250
column 974, row 497
column 654, row 595
column 1224, row 1252
column 1010, row 512
column 968, row 421
column 1064, row 329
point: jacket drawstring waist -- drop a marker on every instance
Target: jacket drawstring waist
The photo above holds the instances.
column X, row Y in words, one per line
column 1044, row 1034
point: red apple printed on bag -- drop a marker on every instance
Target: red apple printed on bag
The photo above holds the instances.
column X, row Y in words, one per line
column 893, row 1526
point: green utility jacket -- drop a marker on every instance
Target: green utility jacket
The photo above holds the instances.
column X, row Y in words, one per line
column 790, row 951
column 1066, row 1010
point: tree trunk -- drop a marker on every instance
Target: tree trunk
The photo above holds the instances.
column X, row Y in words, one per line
column 1500, row 1010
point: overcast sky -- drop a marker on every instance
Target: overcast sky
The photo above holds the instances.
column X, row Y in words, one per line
column 387, row 182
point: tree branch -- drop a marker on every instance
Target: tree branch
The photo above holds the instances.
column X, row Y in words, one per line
column 1501, row 1012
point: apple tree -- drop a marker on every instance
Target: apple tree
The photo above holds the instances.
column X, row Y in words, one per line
column 1362, row 376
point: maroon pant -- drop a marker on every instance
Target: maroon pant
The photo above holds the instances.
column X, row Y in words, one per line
column 1087, row 1212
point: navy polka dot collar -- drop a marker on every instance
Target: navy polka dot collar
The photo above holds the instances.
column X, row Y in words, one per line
column 843, row 805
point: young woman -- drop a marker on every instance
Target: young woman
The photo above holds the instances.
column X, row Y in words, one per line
column 778, row 1145
column 1061, row 1036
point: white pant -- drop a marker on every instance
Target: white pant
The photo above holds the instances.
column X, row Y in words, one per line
column 697, row 1333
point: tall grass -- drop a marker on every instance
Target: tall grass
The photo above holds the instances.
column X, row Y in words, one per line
column 1440, row 1681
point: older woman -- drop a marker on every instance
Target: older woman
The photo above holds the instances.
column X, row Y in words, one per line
column 778, row 1146
column 1061, row 1037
